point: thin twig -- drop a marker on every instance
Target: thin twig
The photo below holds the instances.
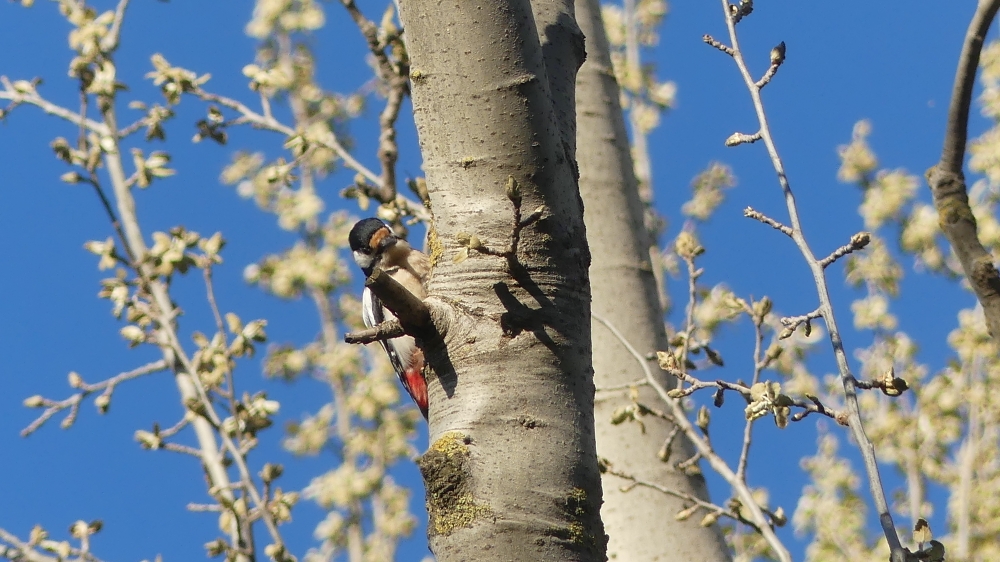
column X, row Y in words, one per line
column 792, row 323
column 707, row 506
column 812, row 406
column 385, row 331
column 737, row 139
column 251, row 117
column 32, row 98
column 818, row 407
column 712, row 41
column 777, row 57
column 519, row 224
column 826, row 306
column 221, row 329
column 328, row 141
column 624, row 386
column 858, row 242
column 693, row 275
column 758, row 366
column 395, row 76
column 116, row 224
column 27, row 552
column 174, row 429
column 342, row 424
column 204, row 507
column 110, row 41
column 178, row 448
column 188, row 382
column 106, row 386
column 212, row 304
column 128, row 131
column 751, row 213
column 701, row 444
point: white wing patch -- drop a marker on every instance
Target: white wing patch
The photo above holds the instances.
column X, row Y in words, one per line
column 399, row 349
column 371, row 309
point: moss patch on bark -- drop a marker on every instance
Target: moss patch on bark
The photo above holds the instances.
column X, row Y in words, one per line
column 445, row 468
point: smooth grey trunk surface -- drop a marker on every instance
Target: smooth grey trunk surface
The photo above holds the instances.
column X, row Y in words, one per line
column 640, row 522
column 511, row 472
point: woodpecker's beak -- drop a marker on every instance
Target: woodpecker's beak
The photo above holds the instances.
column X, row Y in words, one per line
column 382, row 239
column 388, row 242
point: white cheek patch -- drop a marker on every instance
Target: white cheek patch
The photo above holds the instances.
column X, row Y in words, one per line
column 363, row 260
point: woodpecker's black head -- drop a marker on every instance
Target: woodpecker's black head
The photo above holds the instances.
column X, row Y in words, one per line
column 368, row 239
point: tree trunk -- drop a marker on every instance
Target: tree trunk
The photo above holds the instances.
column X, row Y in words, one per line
column 640, row 522
column 511, row 472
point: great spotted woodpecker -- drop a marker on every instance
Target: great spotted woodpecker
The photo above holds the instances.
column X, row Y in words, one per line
column 374, row 244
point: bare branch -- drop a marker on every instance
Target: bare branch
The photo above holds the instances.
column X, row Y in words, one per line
column 328, row 141
column 473, row 242
column 73, row 402
column 749, row 212
column 204, row 507
column 707, row 506
column 947, row 181
column 714, row 43
column 271, row 124
column 777, row 57
column 385, row 331
column 412, row 313
column 178, row 448
column 737, row 139
column 110, row 41
column 32, row 98
column 27, row 551
column 704, row 448
column 624, row 386
column 396, row 77
column 792, row 323
column 758, row 366
column 953, row 152
column 818, row 408
column 858, row 242
column 193, row 392
column 739, row 11
column 826, row 306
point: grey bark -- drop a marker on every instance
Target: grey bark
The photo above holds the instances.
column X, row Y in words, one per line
column 947, row 181
column 640, row 522
column 511, row 473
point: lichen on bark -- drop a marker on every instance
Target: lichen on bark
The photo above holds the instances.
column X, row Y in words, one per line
column 450, row 502
column 578, row 510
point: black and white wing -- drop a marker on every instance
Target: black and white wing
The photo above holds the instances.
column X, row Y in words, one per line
column 373, row 314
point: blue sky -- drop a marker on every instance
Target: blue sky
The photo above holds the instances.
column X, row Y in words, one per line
column 845, row 61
